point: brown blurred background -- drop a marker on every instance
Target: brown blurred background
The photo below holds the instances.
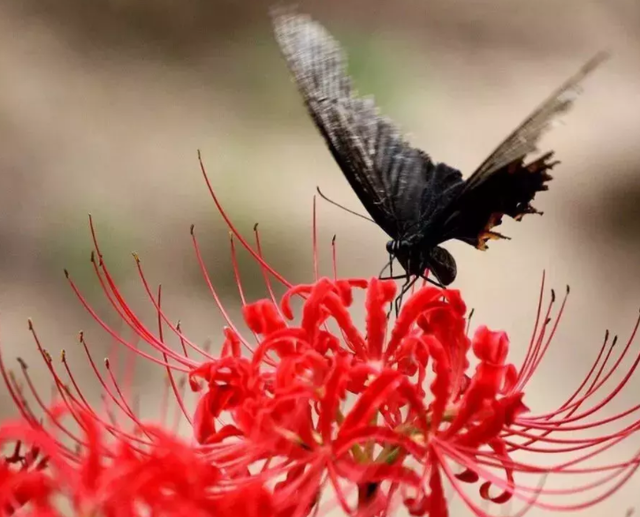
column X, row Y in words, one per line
column 103, row 105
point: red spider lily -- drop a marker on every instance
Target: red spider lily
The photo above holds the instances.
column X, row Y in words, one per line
column 384, row 414
column 22, row 479
column 163, row 476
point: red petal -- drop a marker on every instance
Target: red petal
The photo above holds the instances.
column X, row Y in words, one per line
column 263, row 318
column 441, row 385
column 373, row 397
column 203, row 421
column 501, row 452
column 455, row 300
column 285, row 303
column 412, row 308
column 490, row 347
column 379, row 295
column 231, row 346
column 334, row 389
column 468, row 476
column 510, row 379
column 437, row 500
column 224, row 433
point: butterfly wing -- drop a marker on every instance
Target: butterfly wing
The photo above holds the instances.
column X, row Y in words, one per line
column 393, row 180
column 504, row 184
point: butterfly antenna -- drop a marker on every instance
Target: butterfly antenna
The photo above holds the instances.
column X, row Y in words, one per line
column 343, row 207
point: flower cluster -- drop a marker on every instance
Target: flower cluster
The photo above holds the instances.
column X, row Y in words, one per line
column 150, row 470
column 352, row 407
column 321, row 411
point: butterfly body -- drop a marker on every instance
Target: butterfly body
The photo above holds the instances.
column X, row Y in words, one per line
column 419, row 203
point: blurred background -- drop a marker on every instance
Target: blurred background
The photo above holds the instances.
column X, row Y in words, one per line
column 104, row 104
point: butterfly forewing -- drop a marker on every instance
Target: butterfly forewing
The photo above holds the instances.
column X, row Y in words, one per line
column 504, row 184
column 389, row 176
column 524, row 140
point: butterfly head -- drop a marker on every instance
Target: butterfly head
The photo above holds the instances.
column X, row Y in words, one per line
column 414, row 258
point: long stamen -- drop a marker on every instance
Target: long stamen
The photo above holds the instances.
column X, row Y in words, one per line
column 542, row 353
column 265, row 275
column 527, row 368
column 213, row 291
column 537, row 322
column 114, row 335
column 617, row 389
column 314, row 233
column 334, row 259
column 135, row 323
column 244, row 243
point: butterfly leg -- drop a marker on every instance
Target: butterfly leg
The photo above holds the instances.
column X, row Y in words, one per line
column 408, row 284
column 404, row 277
column 405, row 288
column 432, row 282
column 398, row 300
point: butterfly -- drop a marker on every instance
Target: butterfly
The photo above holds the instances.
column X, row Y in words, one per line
column 419, row 203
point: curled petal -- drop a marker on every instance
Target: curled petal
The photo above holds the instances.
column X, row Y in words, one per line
column 345, row 288
column 441, row 385
column 203, row 421
column 408, row 315
column 263, row 318
column 455, row 300
column 510, row 379
column 506, row 495
column 468, row 476
column 231, row 345
column 379, row 295
column 371, row 399
column 490, row 347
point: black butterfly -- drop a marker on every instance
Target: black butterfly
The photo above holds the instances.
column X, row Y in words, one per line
column 419, row 203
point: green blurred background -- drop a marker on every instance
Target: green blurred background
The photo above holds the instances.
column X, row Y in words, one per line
column 103, row 105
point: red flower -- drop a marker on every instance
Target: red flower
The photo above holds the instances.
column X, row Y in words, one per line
column 22, row 480
column 376, row 413
column 155, row 475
